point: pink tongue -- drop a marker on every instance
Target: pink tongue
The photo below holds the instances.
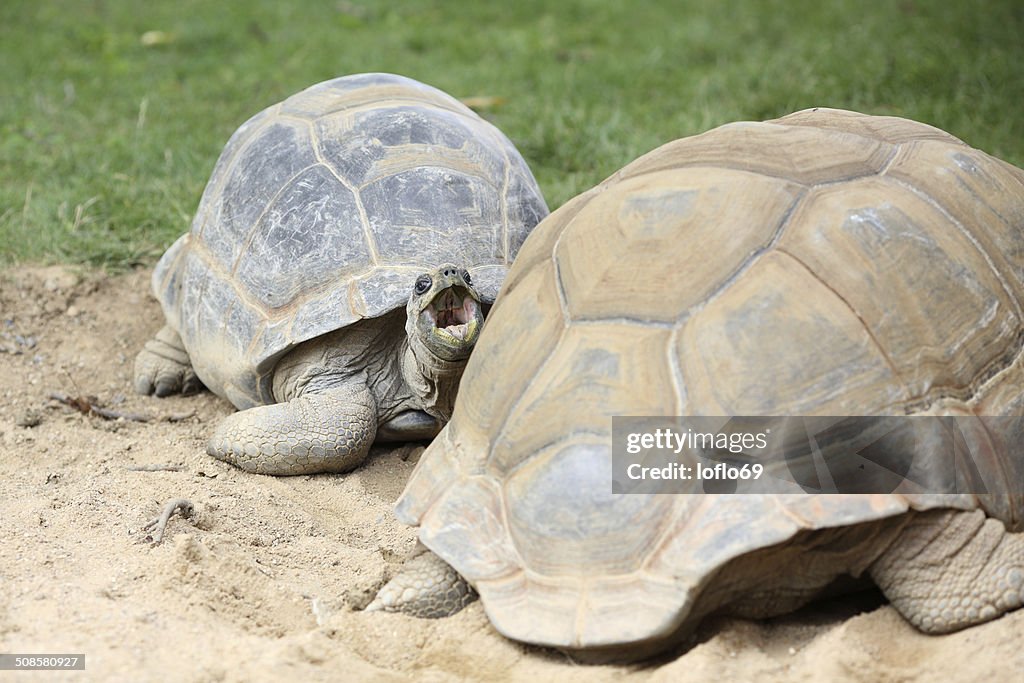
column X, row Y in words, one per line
column 457, row 331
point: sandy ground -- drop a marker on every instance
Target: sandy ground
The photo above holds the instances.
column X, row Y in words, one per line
column 264, row 583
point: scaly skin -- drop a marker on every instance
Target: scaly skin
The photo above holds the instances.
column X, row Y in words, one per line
column 163, row 367
column 950, row 570
column 329, row 431
column 427, row 587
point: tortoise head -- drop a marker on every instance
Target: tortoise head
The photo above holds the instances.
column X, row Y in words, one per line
column 445, row 312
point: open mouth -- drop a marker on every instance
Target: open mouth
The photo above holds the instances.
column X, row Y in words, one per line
column 452, row 314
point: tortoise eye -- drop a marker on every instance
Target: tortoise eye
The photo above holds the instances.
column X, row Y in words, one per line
column 423, row 283
column 465, row 276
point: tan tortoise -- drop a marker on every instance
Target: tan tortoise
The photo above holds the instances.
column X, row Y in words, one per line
column 825, row 263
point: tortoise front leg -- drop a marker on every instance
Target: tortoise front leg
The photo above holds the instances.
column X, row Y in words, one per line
column 330, row 431
column 163, row 367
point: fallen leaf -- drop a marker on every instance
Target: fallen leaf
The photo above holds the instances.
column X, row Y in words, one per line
column 479, row 102
column 154, row 38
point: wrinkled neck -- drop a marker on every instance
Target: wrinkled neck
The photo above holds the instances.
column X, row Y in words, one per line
column 432, row 380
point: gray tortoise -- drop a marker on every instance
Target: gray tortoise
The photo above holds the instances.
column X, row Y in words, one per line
column 336, row 273
column 826, row 263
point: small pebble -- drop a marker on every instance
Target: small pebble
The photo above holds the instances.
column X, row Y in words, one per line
column 29, row 418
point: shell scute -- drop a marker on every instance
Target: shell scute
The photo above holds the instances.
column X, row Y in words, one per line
column 301, row 226
column 433, row 215
column 277, row 153
column 946, row 311
column 561, row 512
column 605, row 250
column 802, row 155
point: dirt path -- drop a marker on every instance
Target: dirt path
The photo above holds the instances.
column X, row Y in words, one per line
column 260, row 585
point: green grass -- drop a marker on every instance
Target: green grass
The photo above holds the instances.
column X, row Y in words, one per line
column 106, row 143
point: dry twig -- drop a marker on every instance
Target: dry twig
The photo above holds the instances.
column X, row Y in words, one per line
column 156, row 526
column 154, row 468
column 89, row 405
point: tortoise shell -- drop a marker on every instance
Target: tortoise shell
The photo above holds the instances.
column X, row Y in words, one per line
column 321, row 211
column 825, row 263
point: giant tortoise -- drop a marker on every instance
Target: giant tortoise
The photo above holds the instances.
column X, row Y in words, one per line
column 325, row 215
column 827, row 263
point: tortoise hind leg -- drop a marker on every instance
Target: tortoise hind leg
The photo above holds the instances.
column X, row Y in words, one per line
column 948, row 570
column 163, row 366
column 329, row 431
column 425, row 587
